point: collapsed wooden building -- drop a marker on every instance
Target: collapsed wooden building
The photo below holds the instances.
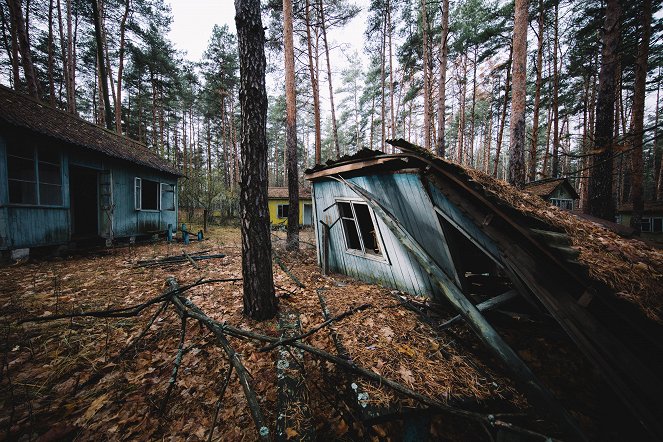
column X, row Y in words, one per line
column 423, row 225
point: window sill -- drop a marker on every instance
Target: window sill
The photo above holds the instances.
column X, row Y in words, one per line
column 148, row 210
column 360, row 254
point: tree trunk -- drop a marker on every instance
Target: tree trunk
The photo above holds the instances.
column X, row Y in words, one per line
column 555, row 148
column 600, row 202
column 473, row 108
column 392, row 125
column 639, row 95
column 383, row 103
column 500, row 132
column 461, row 111
column 71, row 61
column 442, row 91
column 11, row 45
column 292, row 242
column 259, row 299
column 51, row 81
column 424, row 24
column 103, row 77
column 18, row 23
column 519, row 66
column 120, row 69
column 537, row 96
column 314, row 87
column 329, row 81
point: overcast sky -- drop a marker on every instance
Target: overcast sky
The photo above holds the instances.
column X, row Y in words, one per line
column 193, row 21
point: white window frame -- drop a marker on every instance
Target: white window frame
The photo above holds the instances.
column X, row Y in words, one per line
column 558, row 202
column 138, row 195
column 649, row 221
column 356, row 252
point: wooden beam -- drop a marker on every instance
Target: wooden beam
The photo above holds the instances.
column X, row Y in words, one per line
column 470, row 313
column 485, row 306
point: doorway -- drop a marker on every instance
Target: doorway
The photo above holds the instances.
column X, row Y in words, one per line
column 84, row 202
column 307, row 214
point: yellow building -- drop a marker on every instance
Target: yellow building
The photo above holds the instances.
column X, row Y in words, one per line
column 278, row 206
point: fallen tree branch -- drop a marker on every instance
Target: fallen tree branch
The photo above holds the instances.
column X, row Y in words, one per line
column 186, row 307
column 316, row 328
column 287, row 272
column 226, row 382
column 176, row 366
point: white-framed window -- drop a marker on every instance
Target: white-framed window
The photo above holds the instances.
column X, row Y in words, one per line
column 282, row 210
column 146, row 194
column 562, row 203
column 34, row 176
column 362, row 236
column 167, row 196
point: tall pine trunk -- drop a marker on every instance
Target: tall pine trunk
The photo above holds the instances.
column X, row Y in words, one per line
column 323, row 25
column 120, row 69
column 639, row 95
column 426, row 69
column 292, row 242
column 537, row 96
column 600, row 202
column 103, row 77
column 442, row 89
column 519, row 66
column 18, row 23
column 314, row 87
column 259, row 299
column 500, row 132
column 555, row 148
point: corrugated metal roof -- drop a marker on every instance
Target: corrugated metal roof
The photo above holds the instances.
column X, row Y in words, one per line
column 20, row 110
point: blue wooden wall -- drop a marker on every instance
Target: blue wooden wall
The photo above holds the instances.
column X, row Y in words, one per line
column 404, row 195
column 32, row 226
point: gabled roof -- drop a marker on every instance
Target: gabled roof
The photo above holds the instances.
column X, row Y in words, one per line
column 19, row 110
column 544, row 188
column 282, row 193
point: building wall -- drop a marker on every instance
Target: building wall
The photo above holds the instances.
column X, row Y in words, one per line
column 32, row 226
column 405, row 197
column 273, row 210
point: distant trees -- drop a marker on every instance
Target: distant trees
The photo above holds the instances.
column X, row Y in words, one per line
column 291, row 127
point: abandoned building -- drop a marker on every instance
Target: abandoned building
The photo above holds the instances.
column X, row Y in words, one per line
column 426, row 226
column 279, row 204
column 557, row 191
column 652, row 219
column 67, row 180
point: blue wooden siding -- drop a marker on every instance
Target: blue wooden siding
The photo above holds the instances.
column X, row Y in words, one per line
column 32, row 226
column 404, row 196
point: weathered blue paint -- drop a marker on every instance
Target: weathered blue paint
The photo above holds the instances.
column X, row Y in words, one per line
column 405, row 196
column 34, row 225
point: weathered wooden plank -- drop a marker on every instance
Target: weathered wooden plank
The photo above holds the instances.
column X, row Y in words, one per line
column 490, row 304
column 477, row 322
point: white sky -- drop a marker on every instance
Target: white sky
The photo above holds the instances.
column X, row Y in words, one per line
column 193, row 21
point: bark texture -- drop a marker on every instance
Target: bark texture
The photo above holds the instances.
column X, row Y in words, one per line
column 537, row 96
column 442, row 91
column 600, row 202
column 292, row 242
column 519, row 66
column 639, row 115
column 259, row 299
column 18, row 23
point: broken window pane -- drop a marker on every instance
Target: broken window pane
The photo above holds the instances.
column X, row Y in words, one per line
column 358, row 228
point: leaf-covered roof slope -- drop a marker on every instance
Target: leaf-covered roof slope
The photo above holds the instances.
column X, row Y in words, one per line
column 19, row 110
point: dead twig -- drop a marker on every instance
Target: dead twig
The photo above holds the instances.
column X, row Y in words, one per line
column 176, row 366
column 280, row 263
column 219, row 401
column 315, row 329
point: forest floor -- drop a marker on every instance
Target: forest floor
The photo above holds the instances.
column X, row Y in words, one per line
column 48, row 388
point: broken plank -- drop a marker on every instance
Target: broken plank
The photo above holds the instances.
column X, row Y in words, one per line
column 490, row 304
column 278, row 261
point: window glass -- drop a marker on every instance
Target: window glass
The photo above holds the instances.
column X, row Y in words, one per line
column 149, row 195
column 645, row 225
column 21, row 175
column 22, row 192
column 283, row 210
column 167, row 196
column 50, row 178
column 359, row 231
column 657, row 225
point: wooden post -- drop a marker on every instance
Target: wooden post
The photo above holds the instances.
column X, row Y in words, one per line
column 470, row 313
column 325, row 248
